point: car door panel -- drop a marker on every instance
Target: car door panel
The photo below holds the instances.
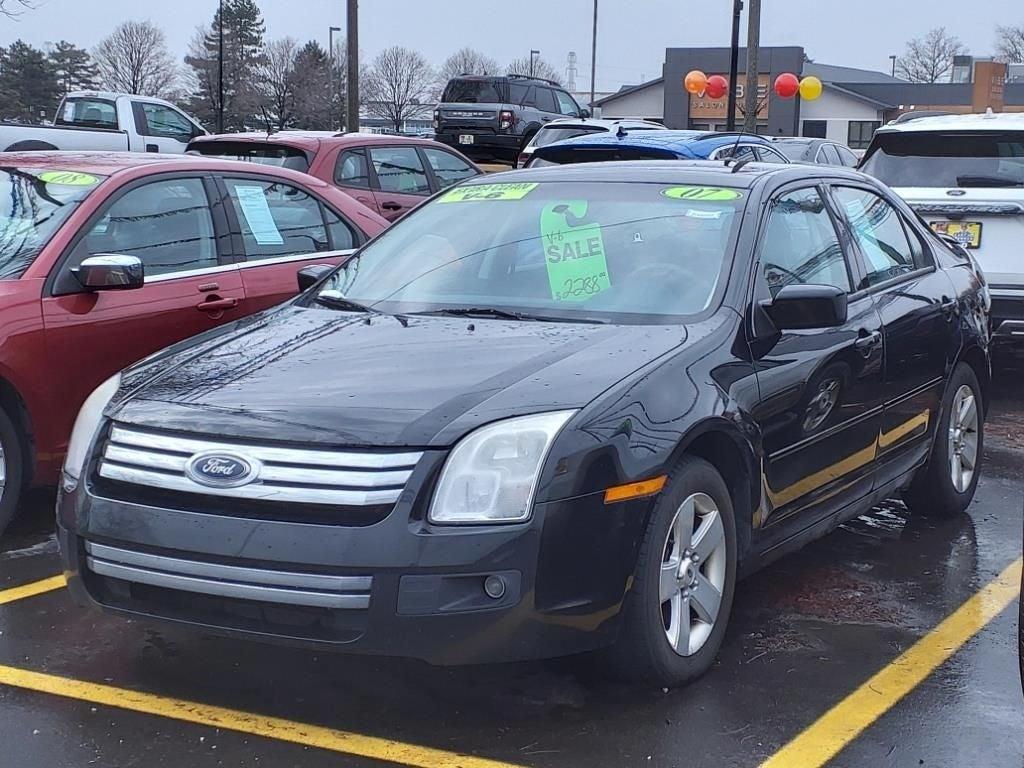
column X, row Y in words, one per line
column 352, row 177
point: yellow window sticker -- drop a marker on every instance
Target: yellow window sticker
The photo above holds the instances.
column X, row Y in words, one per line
column 67, row 178
column 712, row 194
column 573, row 251
column 503, row 191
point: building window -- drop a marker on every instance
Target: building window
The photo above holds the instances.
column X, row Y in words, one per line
column 861, row 132
column 815, row 129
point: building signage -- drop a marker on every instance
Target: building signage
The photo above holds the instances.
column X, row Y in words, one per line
column 704, row 108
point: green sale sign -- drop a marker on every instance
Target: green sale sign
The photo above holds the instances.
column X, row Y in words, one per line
column 573, row 251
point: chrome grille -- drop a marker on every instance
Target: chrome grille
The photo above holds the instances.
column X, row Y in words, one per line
column 290, row 475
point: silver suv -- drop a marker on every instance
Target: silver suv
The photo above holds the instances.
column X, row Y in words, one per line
column 489, row 117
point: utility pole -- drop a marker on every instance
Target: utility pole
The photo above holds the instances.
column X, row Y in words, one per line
column 593, row 58
column 352, row 86
column 734, row 65
column 220, row 67
column 753, row 43
column 331, row 62
column 892, row 58
column 532, row 54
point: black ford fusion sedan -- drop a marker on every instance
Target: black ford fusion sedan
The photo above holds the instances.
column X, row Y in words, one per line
column 548, row 412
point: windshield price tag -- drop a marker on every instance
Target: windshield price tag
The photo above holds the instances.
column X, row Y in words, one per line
column 67, row 178
column 711, row 194
column 573, row 252
column 487, row 192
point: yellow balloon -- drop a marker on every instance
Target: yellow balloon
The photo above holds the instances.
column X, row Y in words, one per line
column 810, row 88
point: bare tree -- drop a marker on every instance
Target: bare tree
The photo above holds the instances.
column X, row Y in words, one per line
column 277, row 80
column 540, row 68
column 12, row 9
column 134, row 59
column 1010, row 44
column 929, row 59
column 398, row 85
column 467, row 61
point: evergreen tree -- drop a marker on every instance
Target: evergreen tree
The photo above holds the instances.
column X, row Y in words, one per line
column 74, row 68
column 312, row 75
column 29, row 89
column 243, row 59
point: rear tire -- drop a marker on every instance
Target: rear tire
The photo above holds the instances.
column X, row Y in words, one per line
column 945, row 486
column 678, row 608
column 11, row 470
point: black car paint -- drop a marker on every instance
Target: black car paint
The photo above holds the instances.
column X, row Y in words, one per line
column 725, row 387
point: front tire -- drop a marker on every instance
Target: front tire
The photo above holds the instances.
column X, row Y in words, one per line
column 678, row 608
column 11, row 470
column 945, row 486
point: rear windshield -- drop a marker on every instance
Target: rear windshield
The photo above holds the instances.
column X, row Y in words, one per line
column 474, row 91
column 947, row 159
column 566, row 155
column 550, row 135
column 35, row 202
column 265, row 154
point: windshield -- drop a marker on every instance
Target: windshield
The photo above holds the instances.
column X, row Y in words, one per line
column 473, row 91
column 608, row 252
column 265, row 154
column 33, row 205
column 947, row 159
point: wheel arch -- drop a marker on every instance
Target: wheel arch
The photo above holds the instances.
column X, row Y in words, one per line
column 31, row 145
column 14, row 405
column 975, row 357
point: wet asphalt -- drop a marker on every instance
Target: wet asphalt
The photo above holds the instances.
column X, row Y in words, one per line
column 805, row 632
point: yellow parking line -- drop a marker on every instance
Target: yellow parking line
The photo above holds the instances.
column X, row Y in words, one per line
column 844, row 722
column 344, row 742
column 30, row 590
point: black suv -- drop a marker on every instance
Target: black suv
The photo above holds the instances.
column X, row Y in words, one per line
column 490, row 117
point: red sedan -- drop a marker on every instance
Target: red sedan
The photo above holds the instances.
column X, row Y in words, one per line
column 203, row 242
column 391, row 174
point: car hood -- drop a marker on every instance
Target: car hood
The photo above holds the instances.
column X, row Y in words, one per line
column 320, row 376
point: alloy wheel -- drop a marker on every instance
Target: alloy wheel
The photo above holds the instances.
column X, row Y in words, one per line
column 963, row 438
column 692, row 579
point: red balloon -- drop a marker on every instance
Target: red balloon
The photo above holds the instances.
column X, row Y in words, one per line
column 787, row 85
column 717, row 87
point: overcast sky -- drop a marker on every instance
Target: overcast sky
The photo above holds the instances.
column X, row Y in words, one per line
column 632, row 34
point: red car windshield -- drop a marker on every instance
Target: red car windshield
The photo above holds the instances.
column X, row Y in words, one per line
column 34, row 202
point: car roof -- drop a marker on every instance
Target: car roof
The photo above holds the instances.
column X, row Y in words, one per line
column 312, row 141
column 682, row 143
column 990, row 121
column 695, row 172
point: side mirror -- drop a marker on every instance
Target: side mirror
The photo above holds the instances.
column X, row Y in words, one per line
column 797, row 307
column 110, row 272
column 584, row 112
column 311, row 275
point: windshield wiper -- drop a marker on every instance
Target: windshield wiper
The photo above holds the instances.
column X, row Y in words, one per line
column 346, row 305
column 505, row 314
column 987, row 181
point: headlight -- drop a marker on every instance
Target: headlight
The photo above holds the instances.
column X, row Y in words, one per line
column 86, row 424
column 492, row 474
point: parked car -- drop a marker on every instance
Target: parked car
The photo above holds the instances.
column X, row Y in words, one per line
column 657, row 145
column 494, row 117
column 390, row 174
column 965, row 175
column 803, row 149
column 550, row 411
column 199, row 242
column 570, row 127
column 98, row 120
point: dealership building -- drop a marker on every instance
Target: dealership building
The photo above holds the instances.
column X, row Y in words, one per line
column 854, row 103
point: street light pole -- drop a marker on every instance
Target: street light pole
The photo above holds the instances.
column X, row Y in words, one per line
column 593, row 58
column 893, row 60
column 352, row 77
column 220, row 67
column 330, row 73
column 532, row 54
column 734, row 65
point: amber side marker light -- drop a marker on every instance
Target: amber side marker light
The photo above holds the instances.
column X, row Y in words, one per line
column 635, row 490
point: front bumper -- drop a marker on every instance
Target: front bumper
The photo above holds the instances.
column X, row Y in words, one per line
column 1007, row 313
column 398, row 587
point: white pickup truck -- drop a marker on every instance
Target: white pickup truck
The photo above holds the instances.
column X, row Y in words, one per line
column 94, row 120
column 964, row 174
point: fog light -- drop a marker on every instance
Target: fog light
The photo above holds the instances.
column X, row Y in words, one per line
column 494, row 586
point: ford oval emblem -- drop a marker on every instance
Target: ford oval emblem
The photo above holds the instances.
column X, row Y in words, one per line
column 220, row 470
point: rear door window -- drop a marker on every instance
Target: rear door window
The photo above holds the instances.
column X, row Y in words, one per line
column 351, row 170
column 276, row 219
column 846, row 157
column 546, row 100
column 827, row 154
column 399, row 170
column 95, row 113
column 520, row 94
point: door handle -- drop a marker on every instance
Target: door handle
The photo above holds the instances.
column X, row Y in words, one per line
column 391, row 206
column 868, row 341
column 950, row 307
column 217, row 305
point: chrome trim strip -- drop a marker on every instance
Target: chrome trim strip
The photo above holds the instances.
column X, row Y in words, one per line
column 295, row 257
column 1006, row 293
column 267, row 454
column 190, row 273
column 226, row 588
column 830, row 432
column 256, row 576
column 915, row 391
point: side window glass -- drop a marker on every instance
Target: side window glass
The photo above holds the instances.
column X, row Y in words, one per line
column 566, row 105
column 350, row 170
column 766, row 155
column 343, row 235
column 877, row 228
column 277, row 219
column 166, row 123
column 166, row 224
column 742, row 152
column 447, row 167
column 800, row 244
column 830, row 154
column 847, row 157
column 399, row 170
column 546, row 100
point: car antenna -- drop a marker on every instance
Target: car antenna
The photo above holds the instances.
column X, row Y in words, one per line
column 737, row 164
column 267, row 120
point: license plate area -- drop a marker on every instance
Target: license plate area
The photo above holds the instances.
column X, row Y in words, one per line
column 466, row 138
column 967, row 233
